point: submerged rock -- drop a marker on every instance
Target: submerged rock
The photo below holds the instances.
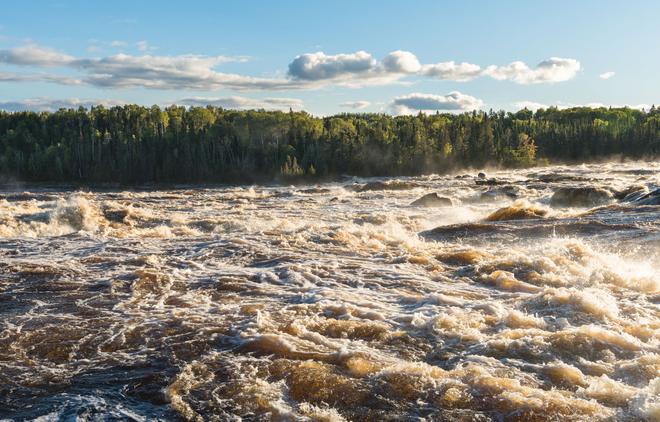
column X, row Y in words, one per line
column 585, row 196
column 488, row 182
column 314, row 190
column 392, row 185
column 517, row 211
column 432, row 200
column 115, row 215
column 494, row 194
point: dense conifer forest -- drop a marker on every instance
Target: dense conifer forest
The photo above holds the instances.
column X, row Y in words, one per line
column 133, row 144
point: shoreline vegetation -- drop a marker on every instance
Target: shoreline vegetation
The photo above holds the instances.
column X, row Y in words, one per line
column 136, row 145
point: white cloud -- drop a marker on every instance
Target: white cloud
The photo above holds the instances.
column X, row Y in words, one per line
column 530, row 105
column 606, row 75
column 48, row 104
column 357, row 105
column 236, row 102
column 554, row 69
column 401, row 62
column 453, row 71
column 430, row 103
column 118, row 44
column 319, row 66
column 361, row 68
column 307, row 71
column 34, row 55
column 193, row 72
column 38, row 77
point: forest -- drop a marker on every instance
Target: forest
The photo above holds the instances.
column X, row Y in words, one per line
column 133, row 144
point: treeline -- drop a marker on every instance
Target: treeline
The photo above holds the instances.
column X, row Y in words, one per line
column 133, row 144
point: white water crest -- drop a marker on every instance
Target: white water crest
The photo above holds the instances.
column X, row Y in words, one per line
column 336, row 302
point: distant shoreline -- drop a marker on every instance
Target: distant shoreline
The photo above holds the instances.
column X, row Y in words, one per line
column 135, row 146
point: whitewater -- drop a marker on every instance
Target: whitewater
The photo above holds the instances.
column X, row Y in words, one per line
column 523, row 295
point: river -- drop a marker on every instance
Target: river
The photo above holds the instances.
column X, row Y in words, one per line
column 525, row 295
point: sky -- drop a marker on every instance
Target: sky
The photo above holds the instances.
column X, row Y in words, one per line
column 327, row 57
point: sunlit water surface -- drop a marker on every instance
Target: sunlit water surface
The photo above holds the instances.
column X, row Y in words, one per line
column 336, row 302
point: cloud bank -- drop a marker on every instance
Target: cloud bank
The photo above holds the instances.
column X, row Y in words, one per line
column 306, row 71
column 362, row 68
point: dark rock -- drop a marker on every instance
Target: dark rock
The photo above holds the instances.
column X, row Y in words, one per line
column 631, row 193
column 651, row 198
column 486, row 182
column 481, row 175
column 115, row 215
column 391, row 185
column 432, row 200
column 555, row 177
column 502, row 192
column 585, row 196
column 314, row 190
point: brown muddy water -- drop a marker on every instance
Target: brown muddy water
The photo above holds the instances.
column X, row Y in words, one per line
column 531, row 297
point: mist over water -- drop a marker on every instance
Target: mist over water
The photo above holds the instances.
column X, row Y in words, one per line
column 534, row 296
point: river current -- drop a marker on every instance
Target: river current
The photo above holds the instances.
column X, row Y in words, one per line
column 527, row 295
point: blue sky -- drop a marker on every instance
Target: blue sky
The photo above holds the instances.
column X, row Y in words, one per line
column 329, row 57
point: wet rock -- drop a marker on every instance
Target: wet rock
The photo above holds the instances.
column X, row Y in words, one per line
column 481, row 175
column 432, row 200
column 486, row 182
column 631, row 193
column 502, row 192
column 585, row 196
column 556, row 177
column 115, row 215
column 314, row 190
column 28, row 196
column 392, row 185
column 652, row 198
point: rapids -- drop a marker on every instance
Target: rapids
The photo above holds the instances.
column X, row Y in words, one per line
column 340, row 302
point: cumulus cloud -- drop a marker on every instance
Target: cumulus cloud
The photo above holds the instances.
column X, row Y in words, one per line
column 555, row 69
column 606, row 75
column 453, row 71
column 243, row 103
column 356, row 105
column 350, row 69
column 48, row 104
column 401, row 62
column 306, row 71
column 319, row 66
column 430, row 103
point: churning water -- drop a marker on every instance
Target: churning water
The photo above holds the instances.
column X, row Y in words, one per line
column 533, row 296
